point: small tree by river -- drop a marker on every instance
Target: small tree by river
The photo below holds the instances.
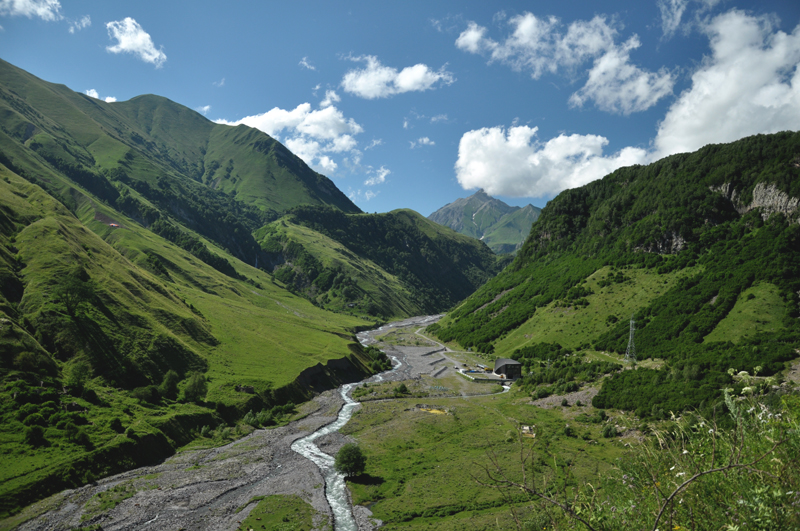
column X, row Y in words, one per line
column 350, row 461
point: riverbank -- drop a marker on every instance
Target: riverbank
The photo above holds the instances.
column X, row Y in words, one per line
column 200, row 489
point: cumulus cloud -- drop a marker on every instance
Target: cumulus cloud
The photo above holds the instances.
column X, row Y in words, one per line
column 515, row 163
column 330, row 98
column 379, row 81
column 423, row 141
column 77, row 25
column 312, row 135
column 542, row 45
column 203, row 109
column 92, row 93
column 49, row 10
column 131, row 38
column 617, row 86
column 378, row 176
column 305, row 64
column 749, row 84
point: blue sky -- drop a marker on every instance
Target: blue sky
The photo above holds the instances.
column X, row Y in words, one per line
column 414, row 104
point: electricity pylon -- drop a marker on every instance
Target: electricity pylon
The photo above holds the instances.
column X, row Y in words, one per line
column 630, row 354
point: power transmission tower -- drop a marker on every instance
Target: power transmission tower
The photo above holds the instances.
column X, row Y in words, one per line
column 630, row 354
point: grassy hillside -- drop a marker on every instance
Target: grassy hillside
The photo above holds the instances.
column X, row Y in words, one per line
column 103, row 330
column 510, row 231
column 385, row 265
column 501, row 227
column 702, row 248
column 154, row 159
column 127, row 320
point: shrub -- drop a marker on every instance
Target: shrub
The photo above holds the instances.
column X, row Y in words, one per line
column 169, row 385
column 196, row 389
column 610, row 431
column 34, row 435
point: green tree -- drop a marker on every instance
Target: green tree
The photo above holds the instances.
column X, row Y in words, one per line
column 350, row 461
column 77, row 373
column 73, row 291
column 34, row 435
column 169, row 385
column 196, row 389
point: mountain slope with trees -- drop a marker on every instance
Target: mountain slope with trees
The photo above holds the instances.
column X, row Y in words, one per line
column 386, row 265
column 679, row 243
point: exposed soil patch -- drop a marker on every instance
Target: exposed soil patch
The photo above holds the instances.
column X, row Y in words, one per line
column 584, row 395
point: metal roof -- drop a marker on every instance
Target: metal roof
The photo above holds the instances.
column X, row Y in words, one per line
column 499, row 362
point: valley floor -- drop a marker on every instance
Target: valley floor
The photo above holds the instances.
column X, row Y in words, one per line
column 217, row 488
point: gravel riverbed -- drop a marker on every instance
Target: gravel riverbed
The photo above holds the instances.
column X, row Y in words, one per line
column 214, row 488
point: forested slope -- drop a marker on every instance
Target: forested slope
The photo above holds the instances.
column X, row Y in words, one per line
column 711, row 225
column 389, row 265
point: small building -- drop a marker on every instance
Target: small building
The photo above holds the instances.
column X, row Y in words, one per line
column 510, row 369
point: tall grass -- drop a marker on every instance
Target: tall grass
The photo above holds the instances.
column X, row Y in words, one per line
column 738, row 470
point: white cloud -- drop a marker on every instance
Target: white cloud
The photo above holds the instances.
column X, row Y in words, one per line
column 312, row 135
column 671, row 14
column 423, row 141
column 378, row 177
column 375, row 143
column 330, row 98
column 439, row 118
column 49, row 10
column 405, row 123
column 473, row 39
column 540, row 45
column 77, row 25
column 203, row 109
column 220, row 83
column 618, row 86
column 131, row 38
column 92, row 93
column 305, row 64
column 749, row 84
column 514, row 163
column 379, row 81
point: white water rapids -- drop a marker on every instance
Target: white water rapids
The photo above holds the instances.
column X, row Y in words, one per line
column 335, row 486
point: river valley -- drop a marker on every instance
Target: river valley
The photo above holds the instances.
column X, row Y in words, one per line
column 216, row 488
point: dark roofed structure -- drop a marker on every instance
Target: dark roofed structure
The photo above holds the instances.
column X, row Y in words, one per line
column 511, row 369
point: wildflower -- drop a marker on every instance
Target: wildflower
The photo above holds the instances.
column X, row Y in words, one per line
column 747, row 390
column 672, row 468
column 685, row 452
column 679, row 474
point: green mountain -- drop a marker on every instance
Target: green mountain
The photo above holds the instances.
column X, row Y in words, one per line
column 131, row 316
column 703, row 249
column 388, row 265
column 500, row 226
column 152, row 158
column 164, row 278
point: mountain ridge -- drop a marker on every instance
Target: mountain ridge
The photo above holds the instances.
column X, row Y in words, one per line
column 502, row 227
